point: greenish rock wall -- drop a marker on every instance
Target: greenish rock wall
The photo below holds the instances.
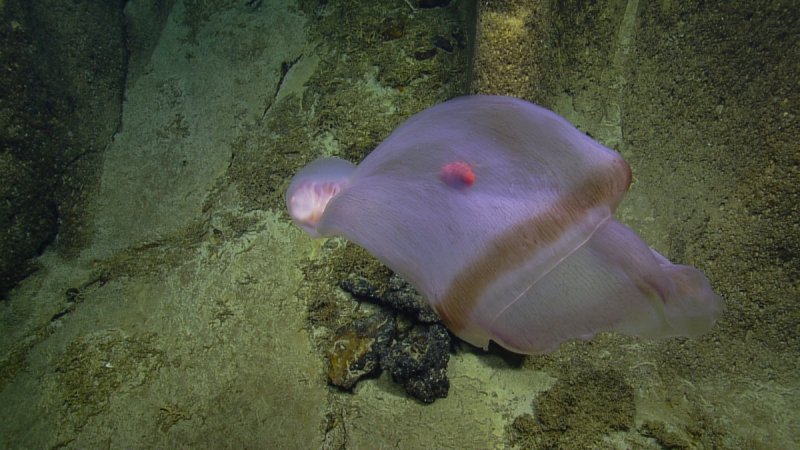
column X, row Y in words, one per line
column 60, row 99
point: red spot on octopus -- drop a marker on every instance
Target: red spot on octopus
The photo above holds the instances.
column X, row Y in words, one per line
column 457, row 175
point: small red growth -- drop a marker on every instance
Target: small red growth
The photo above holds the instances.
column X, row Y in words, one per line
column 457, row 175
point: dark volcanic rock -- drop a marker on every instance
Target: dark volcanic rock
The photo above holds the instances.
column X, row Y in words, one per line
column 418, row 361
column 415, row 349
column 398, row 295
column 357, row 349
